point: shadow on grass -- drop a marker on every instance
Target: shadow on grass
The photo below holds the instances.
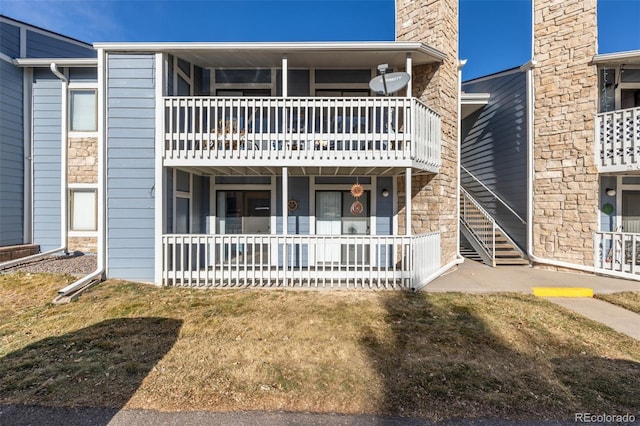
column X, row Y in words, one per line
column 98, row 366
column 441, row 361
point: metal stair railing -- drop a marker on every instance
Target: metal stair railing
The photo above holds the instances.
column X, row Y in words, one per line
column 480, row 225
column 493, row 194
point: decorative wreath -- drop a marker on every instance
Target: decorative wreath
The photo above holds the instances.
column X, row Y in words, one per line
column 607, row 208
column 356, row 208
column 357, row 190
column 292, row 205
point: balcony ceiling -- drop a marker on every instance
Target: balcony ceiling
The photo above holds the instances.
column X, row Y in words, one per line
column 302, row 171
column 302, row 54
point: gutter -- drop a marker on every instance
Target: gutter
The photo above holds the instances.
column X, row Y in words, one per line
column 74, row 289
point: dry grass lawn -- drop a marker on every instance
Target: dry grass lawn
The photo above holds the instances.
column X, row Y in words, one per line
column 434, row 356
column 627, row 299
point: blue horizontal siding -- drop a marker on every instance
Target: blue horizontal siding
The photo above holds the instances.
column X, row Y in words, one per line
column 130, row 167
column 9, row 39
column 494, row 149
column 46, row 160
column 11, row 148
column 41, row 45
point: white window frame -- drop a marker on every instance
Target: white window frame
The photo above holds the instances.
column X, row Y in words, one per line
column 624, row 85
column 82, row 87
column 215, row 86
column 82, row 187
column 184, row 195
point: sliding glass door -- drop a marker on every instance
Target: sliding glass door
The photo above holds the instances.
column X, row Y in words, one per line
column 336, row 216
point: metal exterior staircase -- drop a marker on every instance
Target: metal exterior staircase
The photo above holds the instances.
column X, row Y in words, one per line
column 491, row 243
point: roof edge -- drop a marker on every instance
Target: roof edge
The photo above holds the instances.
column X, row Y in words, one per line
column 278, row 46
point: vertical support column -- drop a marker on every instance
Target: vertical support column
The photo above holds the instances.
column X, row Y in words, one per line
column 409, row 66
column 407, row 204
column 285, row 77
column 160, row 176
column 101, row 240
column 285, row 220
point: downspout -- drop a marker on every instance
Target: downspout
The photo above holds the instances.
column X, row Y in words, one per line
column 530, row 195
column 64, row 202
column 74, row 289
column 63, row 180
column 528, row 67
column 459, row 258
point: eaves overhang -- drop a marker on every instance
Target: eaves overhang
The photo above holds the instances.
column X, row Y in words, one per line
column 61, row 62
column 618, row 58
column 298, row 54
column 472, row 102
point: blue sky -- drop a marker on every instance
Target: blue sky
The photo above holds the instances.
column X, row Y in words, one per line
column 494, row 34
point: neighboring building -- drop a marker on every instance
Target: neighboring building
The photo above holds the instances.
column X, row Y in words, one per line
column 19, row 223
column 251, row 164
column 550, row 151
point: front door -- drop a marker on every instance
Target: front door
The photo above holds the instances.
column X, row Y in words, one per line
column 335, row 217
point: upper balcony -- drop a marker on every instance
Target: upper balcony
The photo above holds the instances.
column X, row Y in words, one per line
column 618, row 139
column 310, row 135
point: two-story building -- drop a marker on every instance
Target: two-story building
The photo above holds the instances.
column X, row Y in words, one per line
column 252, row 164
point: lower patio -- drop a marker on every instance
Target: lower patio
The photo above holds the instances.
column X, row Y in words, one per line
column 302, row 261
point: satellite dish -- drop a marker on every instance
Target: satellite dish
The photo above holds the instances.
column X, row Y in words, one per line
column 386, row 84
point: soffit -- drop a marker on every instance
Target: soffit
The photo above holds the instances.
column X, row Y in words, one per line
column 343, row 54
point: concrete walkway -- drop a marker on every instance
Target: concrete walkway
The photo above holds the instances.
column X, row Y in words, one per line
column 475, row 277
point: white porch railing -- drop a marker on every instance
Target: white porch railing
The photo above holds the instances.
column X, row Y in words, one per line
column 358, row 261
column 618, row 139
column 617, row 252
column 314, row 129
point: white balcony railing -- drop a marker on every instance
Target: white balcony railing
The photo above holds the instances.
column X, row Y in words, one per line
column 617, row 252
column 311, row 129
column 348, row 261
column 618, row 139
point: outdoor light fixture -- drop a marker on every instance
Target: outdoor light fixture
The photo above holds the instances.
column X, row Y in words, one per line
column 611, row 192
column 385, row 193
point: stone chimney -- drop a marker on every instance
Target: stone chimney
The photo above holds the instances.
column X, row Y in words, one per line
column 566, row 179
column 434, row 207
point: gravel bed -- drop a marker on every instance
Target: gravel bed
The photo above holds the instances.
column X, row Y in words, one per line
column 77, row 264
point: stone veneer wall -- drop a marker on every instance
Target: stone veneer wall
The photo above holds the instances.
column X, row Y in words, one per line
column 566, row 179
column 435, row 198
column 82, row 166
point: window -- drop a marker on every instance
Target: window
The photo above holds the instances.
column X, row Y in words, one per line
column 83, row 111
column 83, row 210
column 244, row 212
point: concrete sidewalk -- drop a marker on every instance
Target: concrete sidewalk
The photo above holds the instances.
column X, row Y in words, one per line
column 475, row 277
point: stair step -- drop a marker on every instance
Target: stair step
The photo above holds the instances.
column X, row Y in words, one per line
column 512, row 261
